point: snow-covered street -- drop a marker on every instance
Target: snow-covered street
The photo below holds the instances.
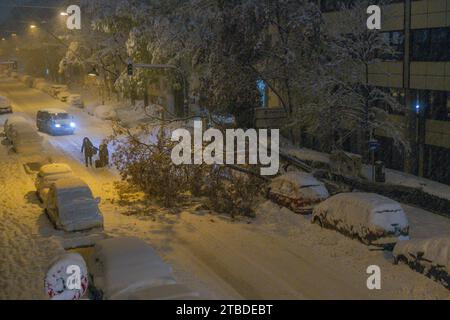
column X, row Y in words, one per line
column 277, row 255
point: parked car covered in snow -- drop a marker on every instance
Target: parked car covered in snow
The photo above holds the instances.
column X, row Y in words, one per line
column 428, row 256
column 9, row 122
column 47, row 175
column 75, row 100
column 24, row 137
column 297, row 191
column 371, row 218
column 55, row 89
column 37, row 82
column 71, row 206
column 63, row 95
column 5, row 105
column 27, row 81
column 55, row 121
column 130, row 269
column 105, row 112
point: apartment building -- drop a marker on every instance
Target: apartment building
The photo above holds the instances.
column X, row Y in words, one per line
column 419, row 77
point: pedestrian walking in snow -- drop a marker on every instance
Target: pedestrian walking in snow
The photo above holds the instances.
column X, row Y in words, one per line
column 89, row 151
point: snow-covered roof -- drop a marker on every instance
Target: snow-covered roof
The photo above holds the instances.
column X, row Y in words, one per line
column 125, row 265
column 54, row 110
column 55, row 168
column 436, row 250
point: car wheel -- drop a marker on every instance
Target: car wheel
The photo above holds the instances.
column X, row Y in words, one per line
column 318, row 221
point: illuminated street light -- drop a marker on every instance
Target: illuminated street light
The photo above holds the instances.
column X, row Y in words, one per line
column 64, row 14
column 3, row 39
column 93, row 73
column 33, row 26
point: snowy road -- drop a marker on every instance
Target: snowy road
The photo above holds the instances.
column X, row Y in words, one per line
column 279, row 255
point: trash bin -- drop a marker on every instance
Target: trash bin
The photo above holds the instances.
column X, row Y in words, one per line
column 380, row 174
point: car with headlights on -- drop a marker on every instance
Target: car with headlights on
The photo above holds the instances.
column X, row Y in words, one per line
column 55, row 122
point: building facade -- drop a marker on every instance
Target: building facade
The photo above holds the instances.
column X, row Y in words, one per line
column 418, row 76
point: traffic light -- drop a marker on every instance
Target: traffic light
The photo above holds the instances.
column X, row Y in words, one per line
column 130, row 69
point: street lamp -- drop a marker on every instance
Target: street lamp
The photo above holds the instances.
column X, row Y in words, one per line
column 63, row 13
column 93, row 73
column 33, row 26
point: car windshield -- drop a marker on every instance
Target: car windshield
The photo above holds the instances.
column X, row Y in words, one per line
column 61, row 116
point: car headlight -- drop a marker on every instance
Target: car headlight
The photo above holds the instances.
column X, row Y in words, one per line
column 73, row 125
column 57, row 125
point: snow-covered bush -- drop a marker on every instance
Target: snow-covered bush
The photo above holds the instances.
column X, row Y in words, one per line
column 144, row 160
column 233, row 193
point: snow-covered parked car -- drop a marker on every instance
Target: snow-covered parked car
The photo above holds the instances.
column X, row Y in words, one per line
column 130, row 269
column 27, row 81
column 371, row 218
column 297, row 191
column 9, row 122
column 105, row 112
column 47, row 175
column 428, row 256
column 75, row 100
column 71, row 206
column 55, row 89
column 5, row 105
column 24, row 138
column 37, row 82
column 63, row 95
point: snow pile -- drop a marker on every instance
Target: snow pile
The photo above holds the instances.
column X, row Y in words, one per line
column 121, row 266
column 57, row 277
column 76, row 208
column 367, row 215
column 430, row 253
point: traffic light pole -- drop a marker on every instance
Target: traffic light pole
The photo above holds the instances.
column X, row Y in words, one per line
column 131, row 66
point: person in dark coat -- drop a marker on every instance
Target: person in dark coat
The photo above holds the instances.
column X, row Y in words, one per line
column 104, row 154
column 89, row 151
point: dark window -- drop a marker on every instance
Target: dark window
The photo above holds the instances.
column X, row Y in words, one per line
column 431, row 44
column 434, row 105
column 396, row 40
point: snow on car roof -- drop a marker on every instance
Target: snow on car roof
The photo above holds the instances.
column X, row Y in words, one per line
column 129, row 264
column 70, row 183
column 55, row 168
column 302, row 179
column 54, row 111
column 14, row 119
column 372, row 201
